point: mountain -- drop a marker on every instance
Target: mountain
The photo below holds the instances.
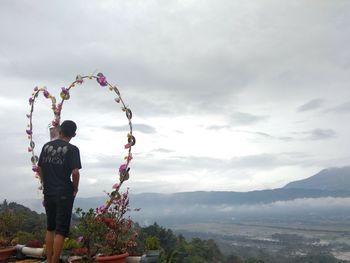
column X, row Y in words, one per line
column 325, row 195
column 331, row 179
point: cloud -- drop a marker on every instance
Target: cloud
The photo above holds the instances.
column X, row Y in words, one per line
column 144, row 128
column 324, row 203
column 174, row 165
column 256, row 133
column 242, row 118
column 218, row 127
column 311, row 105
column 163, row 150
column 262, row 161
column 267, row 136
column 229, row 64
column 318, row 134
column 342, row 108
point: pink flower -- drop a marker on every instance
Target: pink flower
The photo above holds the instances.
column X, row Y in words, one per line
column 123, row 168
column 65, row 91
column 115, row 186
column 35, row 168
column 128, row 145
column 29, row 132
column 129, row 157
column 46, row 94
column 101, row 209
column 31, row 100
column 36, row 88
column 65, row 94
column 101, row 79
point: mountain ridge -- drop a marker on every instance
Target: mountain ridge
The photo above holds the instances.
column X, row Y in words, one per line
column 301, row 189
column 332, row 179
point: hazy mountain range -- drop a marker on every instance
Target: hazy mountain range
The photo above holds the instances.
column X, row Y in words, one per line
column 323, row 195
column 332, row 179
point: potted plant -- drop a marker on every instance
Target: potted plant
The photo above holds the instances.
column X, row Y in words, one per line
column 107, row 232
column 152, row 250
column 136, row 252
column 68, row 246
column 119, row 234
column 89, row 232
column 6, row 250
column 9, row 223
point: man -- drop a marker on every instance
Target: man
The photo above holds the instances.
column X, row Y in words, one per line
column 58, row 161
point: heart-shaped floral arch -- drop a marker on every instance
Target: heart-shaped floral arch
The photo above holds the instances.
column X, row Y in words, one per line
column 57, row 108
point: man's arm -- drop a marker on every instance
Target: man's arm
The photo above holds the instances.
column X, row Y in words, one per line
column 75, row 179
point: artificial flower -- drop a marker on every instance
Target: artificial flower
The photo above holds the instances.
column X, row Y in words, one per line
column 79, row 79
column 129, row 157
column 123, row 168
column 101, row 79
column 65, row 94
column 46, row 94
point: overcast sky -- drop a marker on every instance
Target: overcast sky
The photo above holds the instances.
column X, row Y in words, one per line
column 230, row 95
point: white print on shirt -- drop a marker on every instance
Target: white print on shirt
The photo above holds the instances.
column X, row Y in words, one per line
column 53, row 155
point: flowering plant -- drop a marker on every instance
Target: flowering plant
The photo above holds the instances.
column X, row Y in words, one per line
column 119, row 235
column 108, row 230
column 9, row 223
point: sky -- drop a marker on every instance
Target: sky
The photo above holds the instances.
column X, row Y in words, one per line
column 228, row 95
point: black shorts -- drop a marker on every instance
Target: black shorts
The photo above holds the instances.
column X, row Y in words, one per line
column 58, row 213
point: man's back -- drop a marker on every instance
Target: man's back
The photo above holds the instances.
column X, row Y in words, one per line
column 57, row 160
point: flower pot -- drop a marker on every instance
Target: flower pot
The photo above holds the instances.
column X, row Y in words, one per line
column 133, row 259
column 5, row 253
column 75, row 259
column 151, row 256
column 33, row 252
column 112, row 259
column 19, row 254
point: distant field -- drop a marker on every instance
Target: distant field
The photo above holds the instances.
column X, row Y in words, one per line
column 254, row 229
column 274, row 239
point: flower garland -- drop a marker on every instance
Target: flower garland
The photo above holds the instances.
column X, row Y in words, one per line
column 57, row 108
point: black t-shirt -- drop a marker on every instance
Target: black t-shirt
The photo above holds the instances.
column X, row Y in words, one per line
column 57, row 160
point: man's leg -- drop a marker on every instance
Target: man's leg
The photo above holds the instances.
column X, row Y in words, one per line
column 49, row 240
column 50, row 208
column 57, row 248
column 63, row 216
